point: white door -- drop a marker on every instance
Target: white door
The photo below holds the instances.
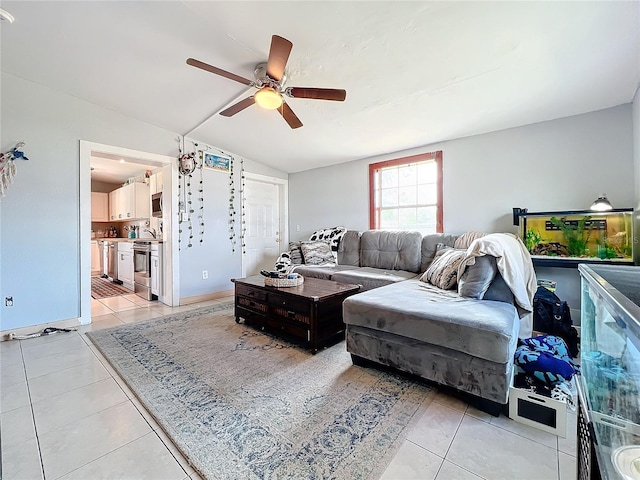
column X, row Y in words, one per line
column 262, row 222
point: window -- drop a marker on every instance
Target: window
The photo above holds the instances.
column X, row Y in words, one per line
column 406, row 194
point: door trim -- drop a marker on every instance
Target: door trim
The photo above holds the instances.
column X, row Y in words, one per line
column 283, row 196
column 84, row 240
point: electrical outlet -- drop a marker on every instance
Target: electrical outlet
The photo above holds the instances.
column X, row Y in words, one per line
column 297, row 228
column 205, row 274
column 8, row 301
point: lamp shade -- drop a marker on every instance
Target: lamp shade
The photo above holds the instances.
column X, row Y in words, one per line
column 268, row 98
column 601, row 204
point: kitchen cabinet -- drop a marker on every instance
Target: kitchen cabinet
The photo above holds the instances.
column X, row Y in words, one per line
column 155, row 183
column 99, row 207
column 96, row 261
column 130, row 202
column 125, row 264
column 156, row 269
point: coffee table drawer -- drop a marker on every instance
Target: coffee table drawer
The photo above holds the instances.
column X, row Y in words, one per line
column 250, row 292
column 299, row 305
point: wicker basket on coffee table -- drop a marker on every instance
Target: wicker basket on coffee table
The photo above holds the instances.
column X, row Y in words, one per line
column 284, row 282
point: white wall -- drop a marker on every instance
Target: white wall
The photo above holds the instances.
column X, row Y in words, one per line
column 556, row 165
column 39, row 217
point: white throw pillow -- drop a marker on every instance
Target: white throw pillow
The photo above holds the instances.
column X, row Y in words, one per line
column 316, row 253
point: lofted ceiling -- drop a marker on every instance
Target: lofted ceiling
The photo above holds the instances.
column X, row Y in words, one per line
column 415, row 72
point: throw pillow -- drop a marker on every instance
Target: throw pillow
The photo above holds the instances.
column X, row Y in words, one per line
column 332, row 236
column 475, row 280
column 443, row 271
column 316, row 253
column 295, row 253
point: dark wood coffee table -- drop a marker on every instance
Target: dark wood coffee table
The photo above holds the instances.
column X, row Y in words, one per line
column 311, row 311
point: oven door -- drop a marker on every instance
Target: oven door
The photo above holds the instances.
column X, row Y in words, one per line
column 142, row 264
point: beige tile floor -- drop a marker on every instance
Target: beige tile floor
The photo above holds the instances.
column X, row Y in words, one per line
column 66, row 414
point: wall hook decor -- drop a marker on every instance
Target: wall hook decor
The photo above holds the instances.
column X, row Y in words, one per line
column 8, row 166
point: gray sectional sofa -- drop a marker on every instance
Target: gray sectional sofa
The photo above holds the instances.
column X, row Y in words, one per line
column 402, row 322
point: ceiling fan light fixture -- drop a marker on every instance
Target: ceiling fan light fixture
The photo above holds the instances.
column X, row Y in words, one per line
column 268, row 98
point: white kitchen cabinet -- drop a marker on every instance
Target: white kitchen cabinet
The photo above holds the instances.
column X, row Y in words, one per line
column 99, row 207
column 156, row 269
column 125, row 264
column 130, row 202
column 95, row 258
column 155, row 183
column 114, row 204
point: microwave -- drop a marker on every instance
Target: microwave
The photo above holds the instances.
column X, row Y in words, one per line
column 156, row 205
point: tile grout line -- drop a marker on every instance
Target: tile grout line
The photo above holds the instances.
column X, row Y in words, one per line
column 33, row 416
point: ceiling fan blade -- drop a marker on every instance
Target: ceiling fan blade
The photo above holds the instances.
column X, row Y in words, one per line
column 218, row 71
column 278, row 56
column 289, row 116
column 238, row 107
column 317, row 93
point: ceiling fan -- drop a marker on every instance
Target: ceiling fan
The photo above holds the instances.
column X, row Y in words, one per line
column 269, row 80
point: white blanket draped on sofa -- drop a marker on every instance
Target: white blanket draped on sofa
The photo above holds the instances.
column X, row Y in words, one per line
column 514, row 264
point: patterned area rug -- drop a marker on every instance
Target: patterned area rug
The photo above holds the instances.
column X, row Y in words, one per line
column 242, row 404
column 103, row 288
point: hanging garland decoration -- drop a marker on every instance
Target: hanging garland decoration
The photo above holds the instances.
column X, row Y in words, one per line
column 187, row 163
column 232, row 207
column 8, row 166
column 243, row 230
column 201, row 200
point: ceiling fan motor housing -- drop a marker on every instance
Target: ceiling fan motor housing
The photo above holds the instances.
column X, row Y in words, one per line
column 262, row 79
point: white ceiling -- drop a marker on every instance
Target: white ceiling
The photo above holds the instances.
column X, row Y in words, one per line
column 415, row 72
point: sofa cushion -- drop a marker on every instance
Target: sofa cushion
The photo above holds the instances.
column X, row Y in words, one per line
column 443, row 271
column 349, row 248
column 425, row 313
column 430, row 245
column 390, row 250
column 316, row 253
column 370, row 278
column 476, row 279
column 324, row 272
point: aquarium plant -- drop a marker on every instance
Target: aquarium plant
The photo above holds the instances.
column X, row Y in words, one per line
column 532, row 238
column 605, row 250
column 575, row 237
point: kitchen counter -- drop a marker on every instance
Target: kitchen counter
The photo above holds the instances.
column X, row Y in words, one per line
column 123, row 239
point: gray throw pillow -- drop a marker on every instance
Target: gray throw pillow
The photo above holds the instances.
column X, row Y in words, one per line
column 499, row 291
column 477, row 278
column 316, row 253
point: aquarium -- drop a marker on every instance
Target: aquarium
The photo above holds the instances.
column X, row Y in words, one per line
column 610, row 368
column 578, row 236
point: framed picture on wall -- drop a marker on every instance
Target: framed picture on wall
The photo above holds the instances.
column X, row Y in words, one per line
column 215, row 162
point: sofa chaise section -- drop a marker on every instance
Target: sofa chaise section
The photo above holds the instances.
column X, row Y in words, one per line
column 463, row 343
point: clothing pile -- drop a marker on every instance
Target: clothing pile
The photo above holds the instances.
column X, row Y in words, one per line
column 544, row 366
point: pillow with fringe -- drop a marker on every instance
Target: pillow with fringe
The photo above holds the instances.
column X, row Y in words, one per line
column 443, row 271
column 316, row 253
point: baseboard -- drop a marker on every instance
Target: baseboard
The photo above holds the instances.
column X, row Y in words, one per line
column 206, row 297
column 69, row 323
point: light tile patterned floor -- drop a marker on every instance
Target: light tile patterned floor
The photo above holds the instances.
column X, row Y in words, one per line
column 61, row 402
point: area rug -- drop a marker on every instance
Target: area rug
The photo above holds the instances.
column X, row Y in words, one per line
column 242, row 404
column 103, row 288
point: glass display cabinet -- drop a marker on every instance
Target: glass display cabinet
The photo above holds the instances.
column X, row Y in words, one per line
column 609, row 384
column 567, row 238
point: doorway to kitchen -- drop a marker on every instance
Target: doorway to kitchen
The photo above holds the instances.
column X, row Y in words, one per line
column 89, row 151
